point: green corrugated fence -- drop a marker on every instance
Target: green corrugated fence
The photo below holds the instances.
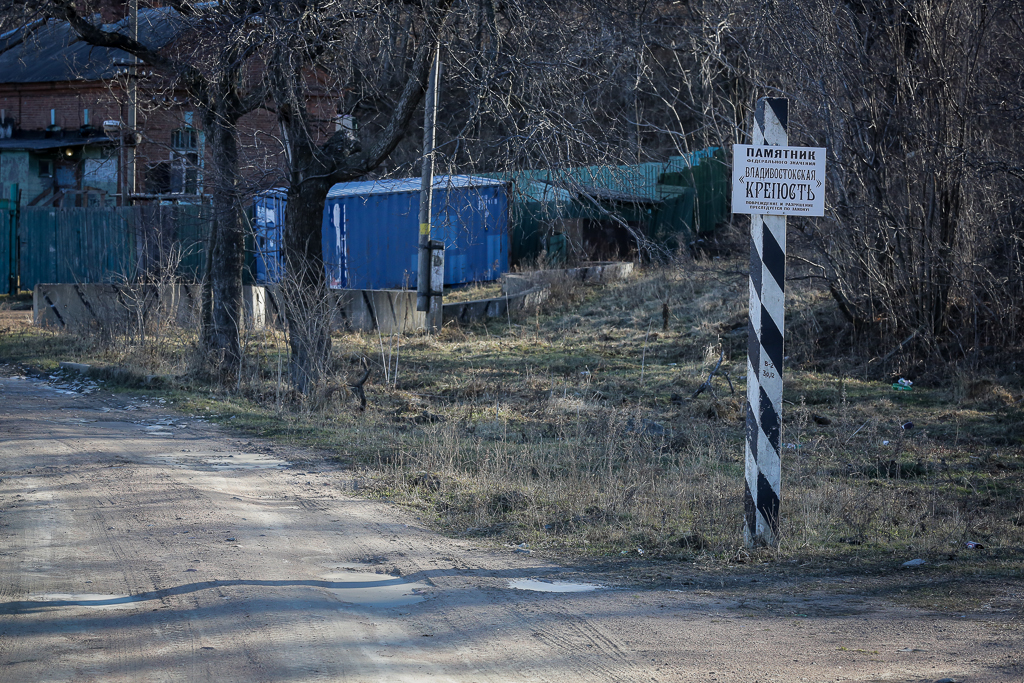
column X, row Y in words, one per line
column 710, row 181
column 74, row 245
column 111, row 244
column 673, row 222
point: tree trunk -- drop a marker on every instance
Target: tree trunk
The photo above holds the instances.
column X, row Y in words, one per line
column 228, row 244
column 313, row 168
column 220, row 94
column 307, row 298
column 206, row 308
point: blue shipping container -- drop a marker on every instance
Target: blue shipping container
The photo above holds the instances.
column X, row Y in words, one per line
column 333, row 236
column 268, row 211
column 268, row 229
column 371, row 231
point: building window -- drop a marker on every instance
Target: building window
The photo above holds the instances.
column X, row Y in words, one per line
column 158, row 178
column 45, row 168
column 184, row 165
column 184, row 173
column 180, row 173
column 185, row 138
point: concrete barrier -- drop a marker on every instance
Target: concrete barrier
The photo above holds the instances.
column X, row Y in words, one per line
column 120, row 308
column 358, row 310
column 525, row 291
column 517, row 283
column 388, row 310
column 519, row 294
column 591, row 273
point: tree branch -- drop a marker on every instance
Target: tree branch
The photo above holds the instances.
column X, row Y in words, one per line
column 93, row 35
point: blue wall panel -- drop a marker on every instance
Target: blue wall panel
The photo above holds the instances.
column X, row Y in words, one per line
column 381, row 232
column 334, row 237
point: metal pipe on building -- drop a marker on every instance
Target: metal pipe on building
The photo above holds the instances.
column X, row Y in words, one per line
column 133, row 95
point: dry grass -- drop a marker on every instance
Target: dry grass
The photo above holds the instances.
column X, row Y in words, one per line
column 573, row 429
column 13, row 321
column 472, row 292
column 15, row 313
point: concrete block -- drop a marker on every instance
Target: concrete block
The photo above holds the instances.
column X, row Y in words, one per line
column 123, row 307
column 387, row 310
column 254, row 306
column 75, row 367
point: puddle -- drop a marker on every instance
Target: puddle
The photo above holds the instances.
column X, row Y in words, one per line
column 245, row 461
column 363, row 589
column 94, row 600
column 223, row 463
column 547, row 586
column 374, row 590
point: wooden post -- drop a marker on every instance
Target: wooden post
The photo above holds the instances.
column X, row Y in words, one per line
column 762, row 495
column 11, row 208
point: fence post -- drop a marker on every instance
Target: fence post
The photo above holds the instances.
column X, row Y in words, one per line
column 762, row 493
column 11, row 208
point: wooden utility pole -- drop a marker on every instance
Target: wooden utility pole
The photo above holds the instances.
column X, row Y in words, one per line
column 133, row 106
column 430, row 259
column 9, row 212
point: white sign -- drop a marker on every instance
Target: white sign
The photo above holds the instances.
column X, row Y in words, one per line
column 781, row 181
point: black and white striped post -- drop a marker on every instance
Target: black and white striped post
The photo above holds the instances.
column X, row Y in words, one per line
column 764, row 348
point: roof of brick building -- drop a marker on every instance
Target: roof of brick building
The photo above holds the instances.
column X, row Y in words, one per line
column 49, row 51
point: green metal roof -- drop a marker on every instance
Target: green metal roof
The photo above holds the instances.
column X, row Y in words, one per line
column 638, row 180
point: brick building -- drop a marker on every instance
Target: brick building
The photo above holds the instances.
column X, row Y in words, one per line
column 65, row 113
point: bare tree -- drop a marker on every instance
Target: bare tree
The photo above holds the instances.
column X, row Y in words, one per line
column 919, row 103
column 211, row 59
column 527, row 85
column 923, row 139
column 317, row 68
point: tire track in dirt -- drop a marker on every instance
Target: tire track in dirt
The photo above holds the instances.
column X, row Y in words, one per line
column 118, row 522
column 194, row 542
column 583, row 647
column 275, row 622
column 173, row 637
column 97, row 492
column 43, row 543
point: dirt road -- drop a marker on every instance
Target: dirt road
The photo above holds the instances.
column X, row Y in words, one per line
column 140, row 545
